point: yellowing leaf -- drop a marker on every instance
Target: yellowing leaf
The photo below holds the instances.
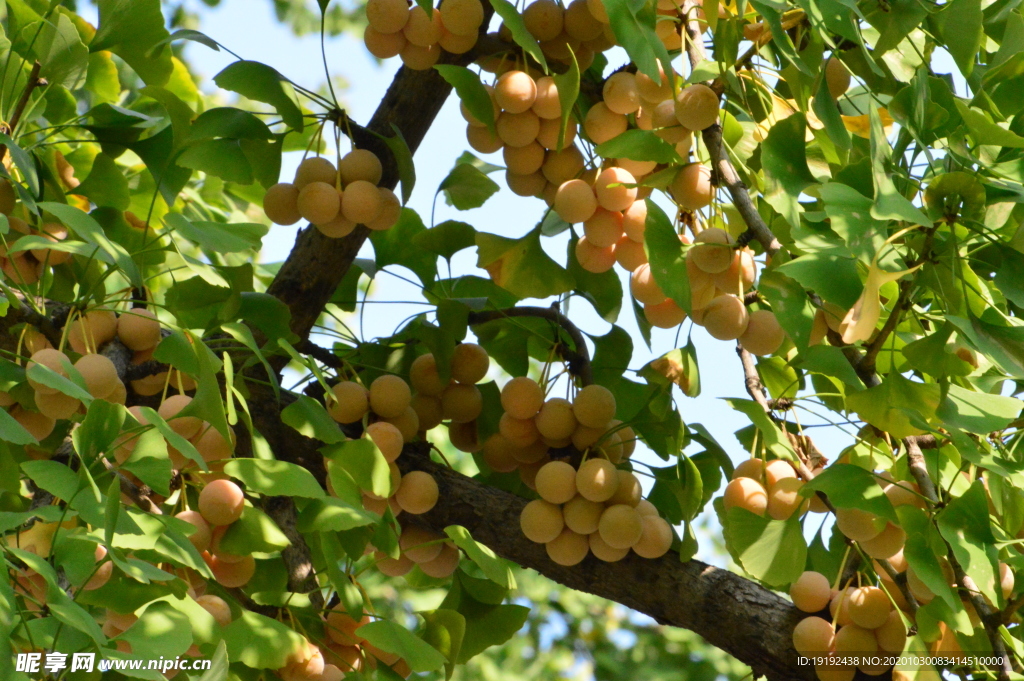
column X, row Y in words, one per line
column 521, row 266
column 861, row 125
column 861, row 319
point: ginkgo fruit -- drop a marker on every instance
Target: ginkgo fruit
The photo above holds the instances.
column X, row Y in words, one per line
column 644, row 288
column 811, row 592
column 38, row 425
column 422, row 29
column 319, row 202
column 575, row 201
column 520, row 432
column 696, row 107
column 541, row 521
column 888, row 543
column 853, row 639
column 315, row 169
column 813, row 635
column 859, row 525
column 750, row 468
column 551, row 130
column 602, row 551
column 470, row 363
column 725, row 317
column 99, row 373
column 518, row 129
column 362, row 202
column 594, row 258
column 138, row 329
column 655, row 537
column 556, row 482
column 621, row 93
column 665, row 315
column 417, row 492
column 217, row 607
column 764, row 335
column 597, row 480
column 747, row 494
column 604, row 228
column 185, row 426
column 837, row 77
column 419, row 545
column 387, row 16
column 580, row 24
column 394, row 567
column 389, row 395
column 630, row 254
column 628, row 491
column 869, row 606
column 522, row 397
column 462, row 17
column 221, row 502
column 556, row 419
column 485, row 141
column 200, row 537
column 547, row 104
column 691, row 188
column 461, row 403
column 390, row 212
column 594, row 406
column 561, row 166
column 360, row 164
column 784, row 499
column 424, row 376
column 497, row 453
column 602, row 124
column 103, row 572
column 408, row 423
column 568, row 548
column 711, row 251
column 582, row 515
column 57, row 406
column 526, row 185
column 515, row 91
column 543, row 19
column 428, row 411
column 613, row 189
column 892, row 634
column 620, row 526
column 51, row 359
column 388, row 439
column 351, row 402
column 524, row 160
column 385, row 45
column 839, row 607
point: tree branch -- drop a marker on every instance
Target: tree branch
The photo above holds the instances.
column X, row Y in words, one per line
column 578, row 360
column 34, row 81
column 989, row 618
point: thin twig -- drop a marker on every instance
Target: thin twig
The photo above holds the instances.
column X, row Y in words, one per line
column 989, row 617
column 34, row 81
column 140, row 495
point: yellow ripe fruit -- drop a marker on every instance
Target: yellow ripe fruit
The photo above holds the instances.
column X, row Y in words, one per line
column 594, row 406
column 627, row 438
column 628, row 491
column 522, row 397
column 751, row 468
column 665, row 315
column 315, row 169
column 517, row 129
column 621, row 94
column 200, row 538
column 580, row 24
column 556, row 482
column 561, row 166
column 422, row 30
column 470, row 363
column 419, row 545
column 99, row 373
column 652, row 91
column 8, row 197
column 362, row 202
column 387, row 16
column 837, row 76
column 221, row 502
column 556, row 419
column 217, row 607
column 859, row 525
column 51, row 359
column 646, row 508
column 852, row 639
column 541, row 521
column 524, row 160
column 424, row 377
column 602, row 551
column 461, row 403
column 57, row 406
column 604, row 228
column 515, row 92
column 598, row 10
column 811, row 592
column 417, row 492
column 739, row 276
column 185, row 426
column 634, row 221
column 597, row 480
column 655, row 538
column 384, row 45
column 602, row 124
column 463, row 437
column 764, row 335
column 629, row 254
column 319, row 202
column 442, row 567
column 638, row 169
column 692, row 188
column 544, row 19
column 568, row 548
column 839, row 607
column 669, row 33
column 620, row 526
column 869, row 607
column 784, row 499
column 526, row 185
column 531, row 453
column 497, row 453
column 483, row 140
column 892, row 635
column 389, row 396
column 456, row 44
column 888, row 543
column 360, row 164
column 617, row 198
column 644, row 288
column 665, row 125
column 138, row 329
column 393, row 567
column 813, row 636
column 551, row 128
column 747, row 494
column 594, row 258
column 281, row 204
column 903, row 493
column 428, row 411
column 547, row 105
column 408, row 423
column 696, row 107
column 584, row 437
column 582, row 515
column 351, row 402
column 712, row 250
column 725, row 318
column 776, row 470
column 462, row 17
column 212, row 446
column 388, row 439
column 520, row 432
column 575, row 201
column 1006, row 580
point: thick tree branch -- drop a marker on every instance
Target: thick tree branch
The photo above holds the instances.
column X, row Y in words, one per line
column 735, row 614
column 578, row 359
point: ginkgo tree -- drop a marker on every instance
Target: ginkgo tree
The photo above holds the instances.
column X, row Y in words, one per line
column 832, row 188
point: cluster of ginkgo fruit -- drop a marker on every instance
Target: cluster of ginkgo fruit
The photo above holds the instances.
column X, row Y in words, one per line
column 335, row 199
column 346, row 649
column 394, row 28
column 771, row 489
column 38, row 539
column 434, row 554
column 27, row 267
